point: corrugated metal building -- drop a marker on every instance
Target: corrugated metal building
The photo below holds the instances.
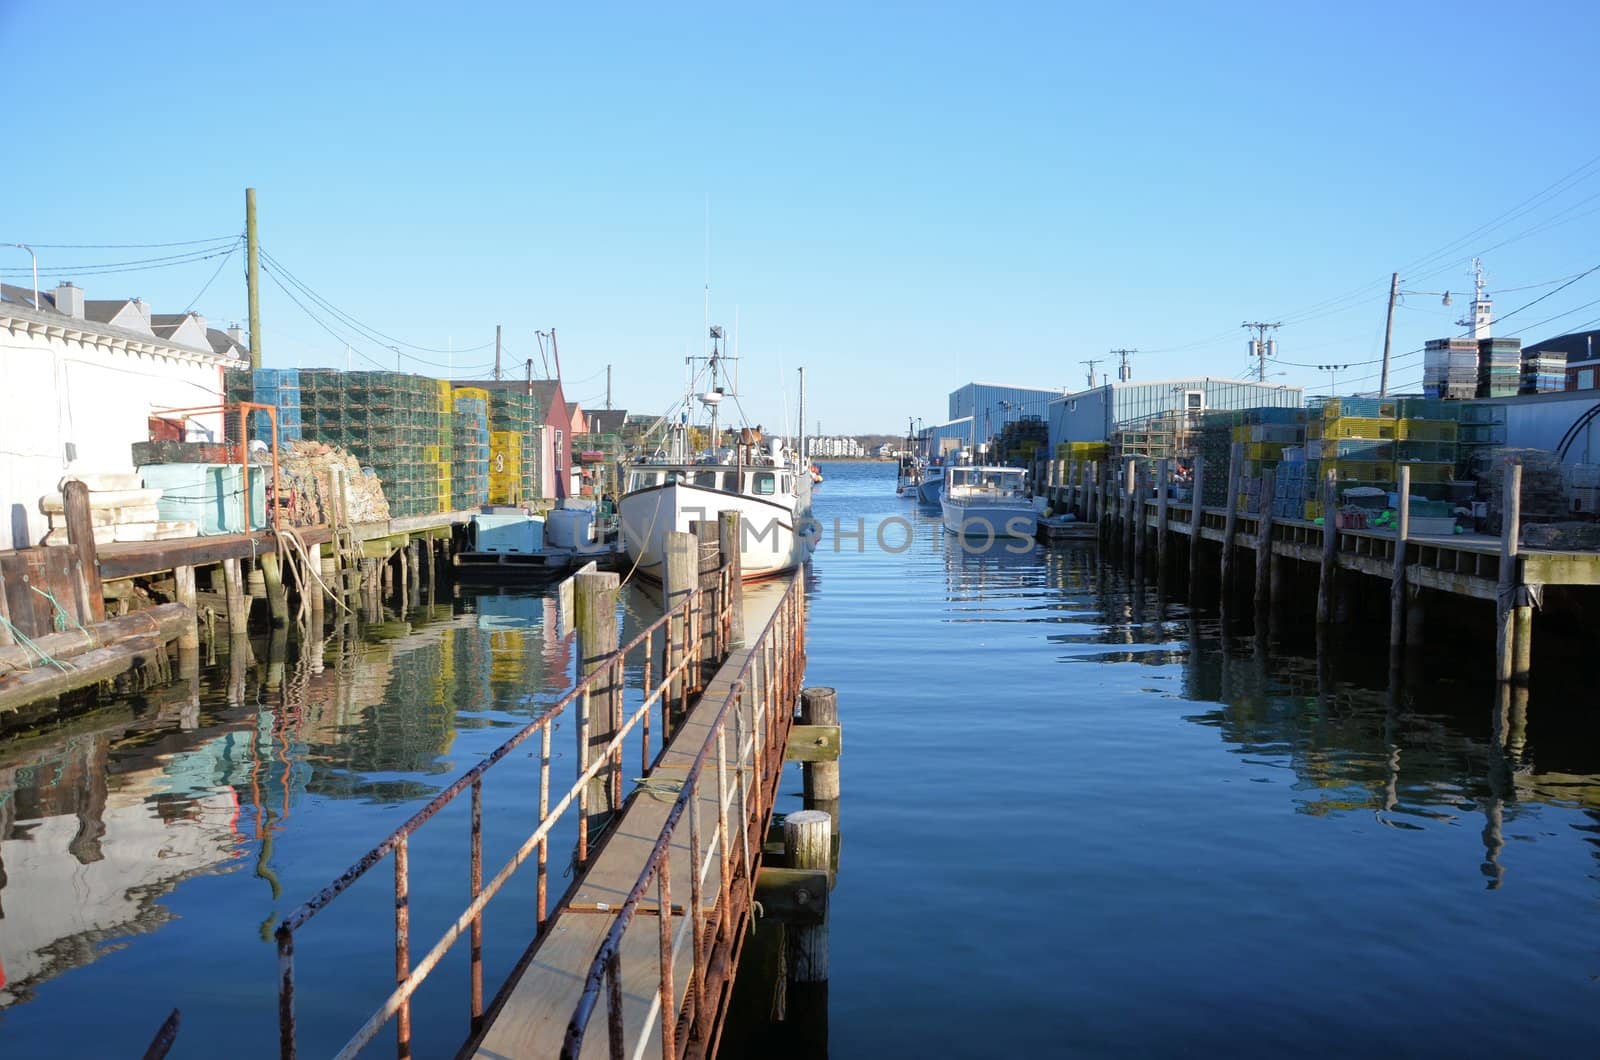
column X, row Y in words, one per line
column 1093, row 415
column 1542, row 421
column 991, row 405
column 942, row 438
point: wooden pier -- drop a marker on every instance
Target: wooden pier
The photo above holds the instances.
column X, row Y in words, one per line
column 638, row 955
column 1132, row 508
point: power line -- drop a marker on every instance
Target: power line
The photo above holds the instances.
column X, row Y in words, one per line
column 1558, row 290
column 133, row 265
column 272, row 275
column 371, row 332
column 126, row 246
column 214, row 275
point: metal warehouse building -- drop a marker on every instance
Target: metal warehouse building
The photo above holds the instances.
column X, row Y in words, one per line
column 991, row 406
column 1093, row 415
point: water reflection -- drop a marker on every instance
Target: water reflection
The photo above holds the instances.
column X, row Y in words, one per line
column 104, row 817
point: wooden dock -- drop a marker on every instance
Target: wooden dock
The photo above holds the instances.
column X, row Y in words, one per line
column 1133, row 511
column 638, row 955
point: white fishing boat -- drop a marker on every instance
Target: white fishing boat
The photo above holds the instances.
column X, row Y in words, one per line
column 764, row 481
column 990, row 502
column 932, row 484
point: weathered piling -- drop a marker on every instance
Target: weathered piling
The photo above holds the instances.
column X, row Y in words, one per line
column 1330, row 546
column 1196, row 523
column 1509, row 638
column 277, row 596
column 183, row 583
column 1264, row 549
column 85, row 565
column 1163, row 530
column 820, row 779
column 1131, row 507
column 808, row 844
column 1231, row 523
column 1397, row 579
column 594, row 600
column 730, row 530
column 680, row 574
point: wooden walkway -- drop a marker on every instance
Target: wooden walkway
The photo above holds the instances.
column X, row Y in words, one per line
column 532, row 1022
column 1130, row 507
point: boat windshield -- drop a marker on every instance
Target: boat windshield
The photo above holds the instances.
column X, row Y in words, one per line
column 1000, row 480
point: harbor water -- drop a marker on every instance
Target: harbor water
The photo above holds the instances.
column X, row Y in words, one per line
column 1077, row 818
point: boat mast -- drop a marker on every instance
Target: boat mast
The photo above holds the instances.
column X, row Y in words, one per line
column 805, row 462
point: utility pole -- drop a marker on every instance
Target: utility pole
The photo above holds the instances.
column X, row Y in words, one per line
column 1260, row 347
column 252, row 245
column 608, row 388
column 497, row 353
column 1091, row 363
column 1124, row 370
column 1388, row 331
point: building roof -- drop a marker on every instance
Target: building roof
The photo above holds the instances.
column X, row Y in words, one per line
column 606, row 421
column 1578, row 346
column 18, row 303
column 225, row 344
column 572, row 408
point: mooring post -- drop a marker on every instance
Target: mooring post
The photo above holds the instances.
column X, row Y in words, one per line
column 820, row 706
column 80, row 536
column 1130, row 506
column 1197, row 521
column 183, row 580
column 1269, row 483
column 1397, row 577
column 238, row 603
column 680, row 574
column 1231, row 523
column 594, row 608
column 730, row 531
column 1506, row 603
column 1163, row 530
column 277, row 596
column 1330, row 548
column 1091, row 491
column 808, row 844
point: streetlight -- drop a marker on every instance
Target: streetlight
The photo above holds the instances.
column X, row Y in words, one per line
column 35, row 259
column 397, row 366
column 1333, row 371
column 1388, row 328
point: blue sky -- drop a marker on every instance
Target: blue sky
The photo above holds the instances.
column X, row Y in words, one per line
column 902, row 196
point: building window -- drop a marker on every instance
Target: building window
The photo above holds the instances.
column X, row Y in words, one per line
column 558, row 449
column 1586, row 379
column 1196, row 400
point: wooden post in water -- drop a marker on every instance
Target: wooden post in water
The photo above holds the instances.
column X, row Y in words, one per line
column 680, row 574
column 1264, row 547
column 820, row 706
column 594, row 607
column 1091, row 491
column 1330, row 548
column 1231, row 524
column 730, row 531
column 1130, row 506
column 1197, row 521
column 1397, row 577
column 277, row 595
column 238, row 603
column 80, row 536
column 183, row 579
column 1163, row 531
column 1506, row 603
column 808, row 844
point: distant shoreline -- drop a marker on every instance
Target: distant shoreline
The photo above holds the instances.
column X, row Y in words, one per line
column 853, row 460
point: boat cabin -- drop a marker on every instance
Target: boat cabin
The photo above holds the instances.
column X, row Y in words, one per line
column 757, row 481
column 994, row 481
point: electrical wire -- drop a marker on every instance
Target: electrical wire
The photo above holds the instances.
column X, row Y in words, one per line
column 372, row 333
column 1558, row 290
column 131, row 265
column 214, row 275
column 273, row 276
column 124, row 246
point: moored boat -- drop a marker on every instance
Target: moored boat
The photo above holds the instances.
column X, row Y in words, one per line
column 987, row 501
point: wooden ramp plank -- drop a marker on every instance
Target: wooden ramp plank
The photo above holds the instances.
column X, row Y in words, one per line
column 533, row 1020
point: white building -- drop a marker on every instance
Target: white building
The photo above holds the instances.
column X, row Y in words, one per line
column 835, row 446
column 83, row 381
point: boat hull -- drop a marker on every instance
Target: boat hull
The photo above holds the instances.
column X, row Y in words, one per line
column 994, row 522
column 776, row 538
column 928, row 490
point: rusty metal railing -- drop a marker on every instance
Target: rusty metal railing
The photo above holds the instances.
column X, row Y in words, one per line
column 759, row 707
column 683, row 630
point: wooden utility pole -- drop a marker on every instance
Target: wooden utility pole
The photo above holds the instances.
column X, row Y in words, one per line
column 252, row 243
column 1388, row 329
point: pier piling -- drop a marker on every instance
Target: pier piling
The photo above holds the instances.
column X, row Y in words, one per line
column 1196, row 522
column 1397, row 580
column 1231, row 524
column 1330, row 545
column 1163, row 531
column 808, row 844
column 730, row 528
column 1264, row 550
column 594, row 599
column 1508, row 637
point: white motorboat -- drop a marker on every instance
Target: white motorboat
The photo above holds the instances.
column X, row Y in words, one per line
column 932, row 484
column 765, row 482
column 988, row 502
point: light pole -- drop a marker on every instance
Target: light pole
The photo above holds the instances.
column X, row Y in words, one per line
column 1395, row 293
column 1333, row 371
column 397, row 365
column 35, row 259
